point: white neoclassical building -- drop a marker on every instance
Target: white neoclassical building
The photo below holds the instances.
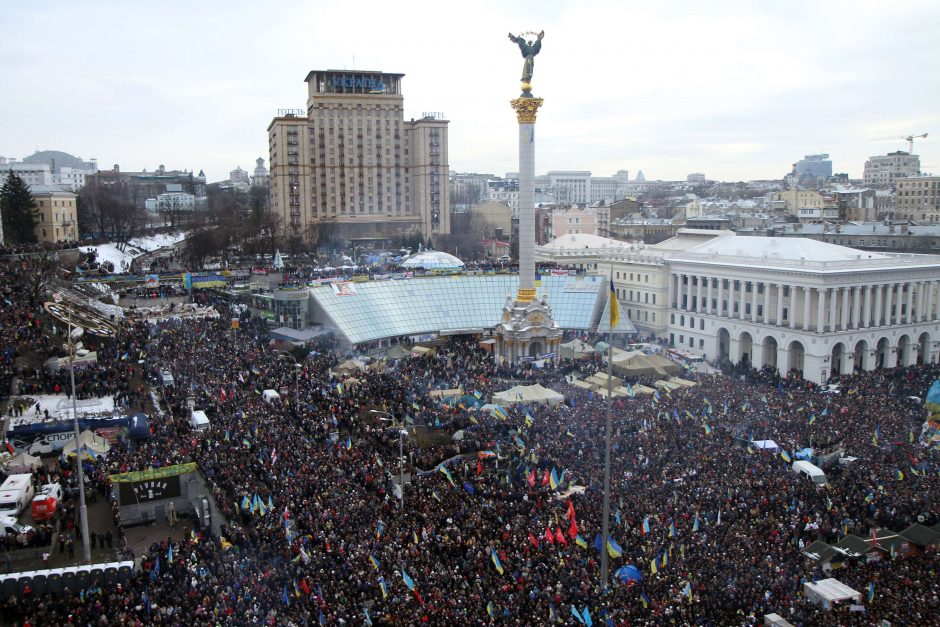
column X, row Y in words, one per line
column 796, row 303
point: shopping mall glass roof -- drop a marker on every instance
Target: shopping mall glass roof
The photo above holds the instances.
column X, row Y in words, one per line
column 379, row 309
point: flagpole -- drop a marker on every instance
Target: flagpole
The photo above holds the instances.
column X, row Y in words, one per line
column 607, row 437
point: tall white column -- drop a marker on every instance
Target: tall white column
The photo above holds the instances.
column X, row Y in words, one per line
column 721, row 297
column 699, row 305
column 766, row 317
column 754, row 285
column 889, row 289
column 820, row 309
column 856, row 306
column 680, row 291
column 909, row 318
column 879, row 311
column 807, row 307
column 928, row 313
column 779, row 320
column 866, row 310
column 742, row 297
column 526, row 109
column 791, row 307
column 708, row 296
column 844, row 309
column 672, row 291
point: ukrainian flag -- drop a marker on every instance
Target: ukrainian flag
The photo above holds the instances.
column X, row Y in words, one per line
column 786, row 456
column 614, row 306
column 553, row 480
column 613, row 549
column 383, row 587
column 871, row 591
column 498, row 564
column 581, row 542
column 645, row 598
column 375, row 562
column 408, row 580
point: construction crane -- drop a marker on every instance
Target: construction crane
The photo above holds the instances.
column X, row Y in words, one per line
column 909, row 139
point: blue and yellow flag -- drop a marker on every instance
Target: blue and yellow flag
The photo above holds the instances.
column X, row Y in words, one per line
column 498, row 564
column 614, row 306
column 871, row 591
column 553, row 480
column 645, row 598
column 384, row 587
column 408, row 580
column 489, row 609
column 613, row 549
column 581, row 542
column 375, row 562
column 785, row 456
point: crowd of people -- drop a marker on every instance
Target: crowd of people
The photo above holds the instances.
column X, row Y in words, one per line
column 501, row 526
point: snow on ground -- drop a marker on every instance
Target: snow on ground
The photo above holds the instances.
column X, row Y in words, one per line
column 60, row 408
column 121, row 255
column 158, row 241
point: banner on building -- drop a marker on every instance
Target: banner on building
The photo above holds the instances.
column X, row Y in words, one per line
column 132, row 493
column 343, row 288
column 151, row 280
column 153, row 473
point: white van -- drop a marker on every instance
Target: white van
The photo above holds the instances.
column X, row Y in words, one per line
column 9, row 527
column 813, row 472
column 198, row 420
column 16, row 494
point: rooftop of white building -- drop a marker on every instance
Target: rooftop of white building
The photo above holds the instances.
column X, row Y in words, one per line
column 580, row 241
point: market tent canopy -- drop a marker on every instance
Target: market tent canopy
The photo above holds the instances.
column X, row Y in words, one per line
column 91, row 444
column 422, row 351
column 445, row 393
column 351, row 365
column 23, row 462
column 767, row 445
column 575, row 349
column 683, row 382
column 827, row 592
column 528, row 394
column 638, row 364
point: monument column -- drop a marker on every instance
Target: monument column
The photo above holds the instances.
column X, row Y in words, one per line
column 526, row 109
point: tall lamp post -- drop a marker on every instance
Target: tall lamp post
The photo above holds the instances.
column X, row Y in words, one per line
column 297, row 368
column 401, row 452
column 83, row 509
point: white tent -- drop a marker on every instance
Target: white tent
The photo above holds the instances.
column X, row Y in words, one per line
column 23, row 462
column 528, row 394
column 767, row 445
column 269, row 396
column 575, row 349
column 90, row 443
column 827, row 592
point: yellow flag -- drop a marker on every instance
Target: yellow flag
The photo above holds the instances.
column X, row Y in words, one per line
column 614, row 306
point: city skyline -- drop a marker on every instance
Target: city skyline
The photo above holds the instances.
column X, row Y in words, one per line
column 689, row 88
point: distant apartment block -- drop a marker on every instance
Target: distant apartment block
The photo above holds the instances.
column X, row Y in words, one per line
column 917, row 199
column 351, row 160
column 813, row 166
column 884, row 170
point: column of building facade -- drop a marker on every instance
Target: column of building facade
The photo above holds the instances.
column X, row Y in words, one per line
column 779, row 304
column 708, row 296
column 670, row 290
column 807, row 307
column 698, row 294
column 844, row 309
column 921, row 293
column 766, row 316
column 909, row 318
column 889, row 298
column 925, row 306
column 754, row 292
column 878, row 311
column 866, row 308
column 679, row 276
column 856, row 306
column 791, row 306
column 742, row 298
column 721, row 297
column 820, row 309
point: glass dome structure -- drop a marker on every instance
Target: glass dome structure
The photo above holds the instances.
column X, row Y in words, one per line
column 432, row 260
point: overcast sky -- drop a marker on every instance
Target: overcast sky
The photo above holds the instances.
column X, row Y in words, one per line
column 737, row 90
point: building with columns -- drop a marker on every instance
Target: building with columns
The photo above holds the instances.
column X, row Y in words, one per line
column 796, row 303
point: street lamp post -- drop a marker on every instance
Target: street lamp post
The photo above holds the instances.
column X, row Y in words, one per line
column 297, row 368
column 83, row 509
column 401, row 452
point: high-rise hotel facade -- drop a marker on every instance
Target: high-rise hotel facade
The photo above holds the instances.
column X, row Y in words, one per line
column 354, row 162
